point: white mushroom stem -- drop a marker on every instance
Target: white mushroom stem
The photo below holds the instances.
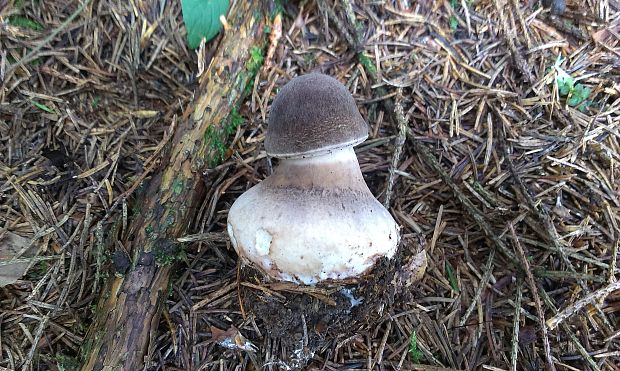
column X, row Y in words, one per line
column 313, row 219
column 337, row 170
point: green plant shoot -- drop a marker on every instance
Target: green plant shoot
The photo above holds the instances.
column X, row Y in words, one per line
column 414, row 352
column 575, row 94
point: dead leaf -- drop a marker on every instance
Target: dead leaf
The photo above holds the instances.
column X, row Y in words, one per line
column 414, row 267
column 602, row 35
column 12, row 244
column 231, row 339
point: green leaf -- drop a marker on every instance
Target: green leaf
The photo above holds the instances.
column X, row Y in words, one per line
column 452, row 277
column 583, row 107
column 416, row 354
column 454, row 23
column 202, row 19
column 23, row 22
column 565, row 82
column 43, row 107
column 367, row 63
column 95, row 102
column 256, row 59
column 579, row 94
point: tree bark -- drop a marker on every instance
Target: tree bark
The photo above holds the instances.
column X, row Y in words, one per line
column 129, row 308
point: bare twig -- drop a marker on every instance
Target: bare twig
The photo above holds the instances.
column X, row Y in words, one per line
column 510, row 37
column 35, row 342
column 379, row 357
column 516, row 8
column 611, row 273
column 400, row 142
column 573, row 338
column 340, row 26
column 488, row 269
column 593, row 297
column 514, row 351
column 532, row 284
column 356, row 32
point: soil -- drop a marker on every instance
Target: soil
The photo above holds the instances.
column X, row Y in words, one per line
column 312, row 316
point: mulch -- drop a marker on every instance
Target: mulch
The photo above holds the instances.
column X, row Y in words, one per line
column 512, row 182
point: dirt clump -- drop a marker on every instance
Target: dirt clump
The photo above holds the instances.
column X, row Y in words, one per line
column 314, row 315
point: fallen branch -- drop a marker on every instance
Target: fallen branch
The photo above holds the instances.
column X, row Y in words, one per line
column 128, row 311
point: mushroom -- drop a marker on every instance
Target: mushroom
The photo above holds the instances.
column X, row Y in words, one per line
column 314, row 218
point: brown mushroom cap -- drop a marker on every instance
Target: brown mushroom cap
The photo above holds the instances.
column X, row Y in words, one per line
column 313, row 114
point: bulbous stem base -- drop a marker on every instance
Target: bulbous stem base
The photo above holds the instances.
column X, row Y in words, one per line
column 313, row 219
